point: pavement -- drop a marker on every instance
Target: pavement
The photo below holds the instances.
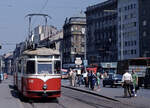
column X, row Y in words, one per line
column 7, row 95
column 116, row 94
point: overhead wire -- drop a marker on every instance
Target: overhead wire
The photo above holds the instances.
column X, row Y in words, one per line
column 43, row 7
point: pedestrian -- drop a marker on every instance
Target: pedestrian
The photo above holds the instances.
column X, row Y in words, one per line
column 74, row 78
column 135, row 82
column 105, row 75
column 79, row 78
column 85, row 74
column 70, row 76
column 90, row 79
column 127, row 81
column 98, row 80
column 93, row 80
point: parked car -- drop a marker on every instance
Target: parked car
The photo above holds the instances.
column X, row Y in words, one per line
column 112, row 80
column 64, row 74
column 147, row 78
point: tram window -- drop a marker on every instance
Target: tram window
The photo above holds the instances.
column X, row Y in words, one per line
column 44, row 68
column 19, row 66
column 57, row 67
column 56, row 56
column 30, row 67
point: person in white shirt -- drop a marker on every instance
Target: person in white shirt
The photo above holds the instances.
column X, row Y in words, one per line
column 85, row 76
column 127, row 81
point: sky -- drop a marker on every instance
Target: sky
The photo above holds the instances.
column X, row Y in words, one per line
column 14, row 25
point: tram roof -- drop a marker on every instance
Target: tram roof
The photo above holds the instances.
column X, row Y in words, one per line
column 41, row 51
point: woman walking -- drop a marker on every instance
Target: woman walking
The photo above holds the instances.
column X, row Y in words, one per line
column 98, row 80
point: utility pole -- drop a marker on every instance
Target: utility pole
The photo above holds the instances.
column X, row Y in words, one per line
column 0, row 46
column 85, row 59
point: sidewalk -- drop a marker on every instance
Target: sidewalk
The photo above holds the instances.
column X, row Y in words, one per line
column 116, row 94
column 7, row 95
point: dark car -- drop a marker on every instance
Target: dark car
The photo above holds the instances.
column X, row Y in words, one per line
column 64, row 74
column 113, row 80
column 147, row 78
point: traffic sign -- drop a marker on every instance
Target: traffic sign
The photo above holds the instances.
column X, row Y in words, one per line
column 78, row 61
column 85, row 62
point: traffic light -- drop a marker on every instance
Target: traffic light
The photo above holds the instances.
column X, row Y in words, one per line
column 0, row 46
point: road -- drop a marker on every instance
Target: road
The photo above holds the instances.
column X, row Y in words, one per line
column 70, row 99
column 75, row 99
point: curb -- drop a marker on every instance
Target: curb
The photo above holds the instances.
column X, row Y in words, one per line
column 90, row 92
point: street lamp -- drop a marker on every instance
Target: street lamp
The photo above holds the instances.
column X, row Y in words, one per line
column 121, row 31
column 83, row 31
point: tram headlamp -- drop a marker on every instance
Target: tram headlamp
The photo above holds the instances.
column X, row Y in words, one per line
column 44, row 87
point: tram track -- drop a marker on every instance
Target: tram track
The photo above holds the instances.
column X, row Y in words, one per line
column 74, row 99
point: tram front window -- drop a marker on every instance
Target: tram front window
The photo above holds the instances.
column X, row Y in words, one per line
column 57, row 67
column 44, row 68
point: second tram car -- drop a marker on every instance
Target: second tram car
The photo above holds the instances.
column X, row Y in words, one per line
column 38, row 73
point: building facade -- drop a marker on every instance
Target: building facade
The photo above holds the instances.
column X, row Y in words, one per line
column 74, row 40
column 133, row 29
column 102, row 32
column 43, row 32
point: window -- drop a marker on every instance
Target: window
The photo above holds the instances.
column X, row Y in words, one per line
column 144, row 33
column 19, row 66
column 135, row 24
column 57, row 67
column 135, row 42
column 144, row 23
column 30, row 67
column 44, row 68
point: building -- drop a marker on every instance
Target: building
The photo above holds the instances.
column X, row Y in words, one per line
column 8, row 63
column 133, row 29
column 54, row 41
column 102, row 32
column 74, row 40
column 43, row 32
column 1, row 64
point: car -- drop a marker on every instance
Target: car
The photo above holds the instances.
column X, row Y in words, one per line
column 64, row 74
column 112, row 80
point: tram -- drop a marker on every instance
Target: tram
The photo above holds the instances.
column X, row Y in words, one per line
column 37, row 73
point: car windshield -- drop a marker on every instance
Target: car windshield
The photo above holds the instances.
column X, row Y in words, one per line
column 44, row 68
column 63, row 73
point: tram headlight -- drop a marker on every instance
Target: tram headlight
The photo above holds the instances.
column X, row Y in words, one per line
column 44, row 87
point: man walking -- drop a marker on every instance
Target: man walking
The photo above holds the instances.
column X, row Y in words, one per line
column 70, row 76
column 127, row 81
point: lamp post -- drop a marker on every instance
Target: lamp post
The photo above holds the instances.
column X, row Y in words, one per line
column 85, row 59
column 121, row 31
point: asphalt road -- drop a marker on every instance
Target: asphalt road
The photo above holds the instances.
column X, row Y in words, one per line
column 70, row 99
column 75, row 99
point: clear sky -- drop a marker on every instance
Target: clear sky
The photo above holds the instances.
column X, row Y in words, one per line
column 14, row 25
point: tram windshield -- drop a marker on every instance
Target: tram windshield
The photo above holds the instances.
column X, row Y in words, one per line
column 44, row 68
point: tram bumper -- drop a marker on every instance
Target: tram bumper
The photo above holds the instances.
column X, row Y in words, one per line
column 44, row 93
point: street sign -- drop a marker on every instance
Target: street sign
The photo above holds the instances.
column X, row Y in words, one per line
column 78, row 61
column 85, row 62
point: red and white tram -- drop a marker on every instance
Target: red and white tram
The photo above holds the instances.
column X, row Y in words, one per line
column 38, row 73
